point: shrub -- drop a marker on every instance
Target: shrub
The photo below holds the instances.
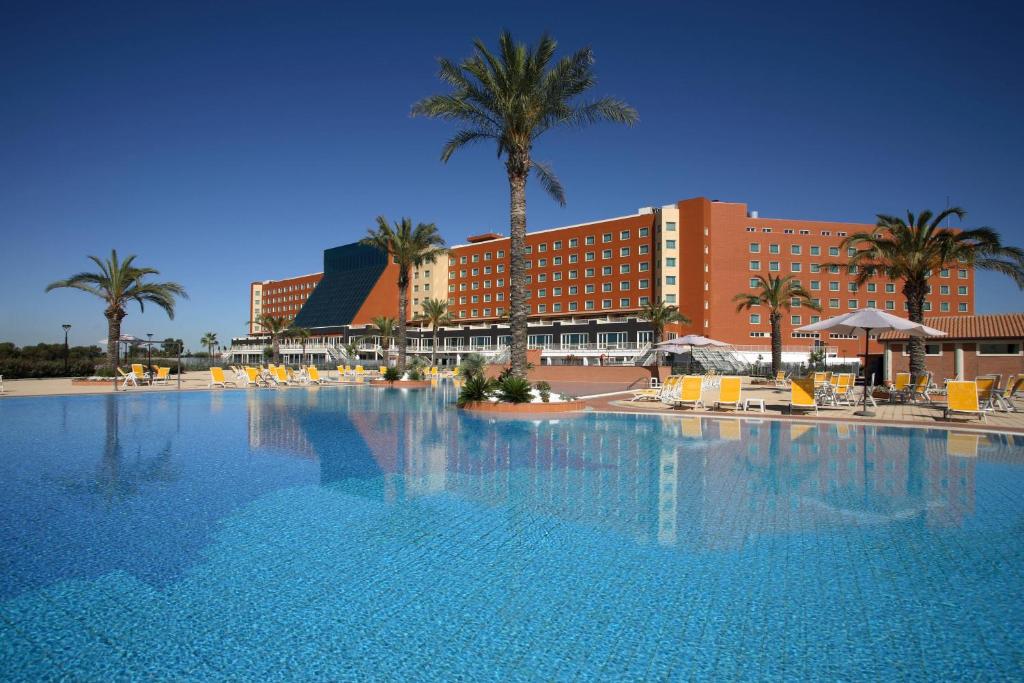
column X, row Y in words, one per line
column 514, row 389
column 391, row 375
column 475, row 388
column 473, row 364
column 544, row 389
column 415, row 374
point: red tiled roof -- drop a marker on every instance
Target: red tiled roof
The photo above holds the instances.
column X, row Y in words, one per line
column 996, row 326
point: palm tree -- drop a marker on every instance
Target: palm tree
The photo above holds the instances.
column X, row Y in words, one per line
column 409, row 247
column 275, row 326
column 209, row 340
column 778, row 294
column 435, row 314
column 913, row 249
column 512, row 98
column 660, row 314
column 386, row 327
column 303, row 335
column 118, row 283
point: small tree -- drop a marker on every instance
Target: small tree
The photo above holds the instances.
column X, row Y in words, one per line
column 275, row 327
column 303, row 335
column 660, row 314
column 777, row 294
column 209, row 340
column 435, row 313
column 386, row 328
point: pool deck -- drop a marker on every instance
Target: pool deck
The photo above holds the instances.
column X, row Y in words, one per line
column 776, row 403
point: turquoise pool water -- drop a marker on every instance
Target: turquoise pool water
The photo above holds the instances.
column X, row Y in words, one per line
column 363, row 534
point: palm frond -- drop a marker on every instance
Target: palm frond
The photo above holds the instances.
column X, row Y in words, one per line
column 549, row 181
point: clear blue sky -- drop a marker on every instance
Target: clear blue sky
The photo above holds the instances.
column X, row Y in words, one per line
column 227, row 142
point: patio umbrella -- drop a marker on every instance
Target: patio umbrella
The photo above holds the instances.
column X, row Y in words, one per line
column 864, row 321
column 686, row 343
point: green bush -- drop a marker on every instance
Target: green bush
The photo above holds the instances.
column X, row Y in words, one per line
column 473, row 364
column 514, row 390
column 15, row 368
column 544, row 389
column 415, row 374
column 475, row 388
column 391, row 375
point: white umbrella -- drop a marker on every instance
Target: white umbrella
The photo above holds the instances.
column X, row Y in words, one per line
column 864, row 321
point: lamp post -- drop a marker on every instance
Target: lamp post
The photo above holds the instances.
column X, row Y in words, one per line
column 149, row 355
column 66, row 326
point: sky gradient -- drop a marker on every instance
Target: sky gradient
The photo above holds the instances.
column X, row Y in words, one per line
column 230, row 142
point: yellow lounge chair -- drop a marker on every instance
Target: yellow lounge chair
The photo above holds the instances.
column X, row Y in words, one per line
column 988, row 387
column 962, row 400
column 691, row 393
column 253, row 379
column 899, row 387
column 781, row 379
column 729, row 393
column 161, row 375
column 801, row 395
column 1004, row 400
column 653, row 393
column 128, row 378
column 314, row 375
column 140, row 371
column 217, row 378
column 843, row 391
column 281, row 375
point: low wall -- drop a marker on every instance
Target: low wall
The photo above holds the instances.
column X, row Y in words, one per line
column 585, row 380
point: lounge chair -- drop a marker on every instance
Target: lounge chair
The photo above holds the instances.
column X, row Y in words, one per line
column 691, row 393
column 781, row 379
column 898, row 390
column 1004, row 399
column 654, row 393
column 140, row 371
column 729, row 393
column 920, row 388
column 281, row 375
column 161, row 375
column 842, row 394
column 217, row 378
column 253, row 378
column 988, row 389
column 128, row 378
column 314, row 375
column 801, row 395
column 962, row 401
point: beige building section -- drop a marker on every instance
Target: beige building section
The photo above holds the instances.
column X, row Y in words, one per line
column 255, row 307
column 429, row 281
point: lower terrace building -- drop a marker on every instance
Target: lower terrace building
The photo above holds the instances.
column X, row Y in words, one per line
column 588, row 283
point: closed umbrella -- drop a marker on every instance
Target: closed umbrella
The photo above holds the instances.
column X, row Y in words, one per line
column 865, row 321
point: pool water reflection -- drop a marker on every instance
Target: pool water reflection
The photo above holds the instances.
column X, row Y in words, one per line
column 354, row 533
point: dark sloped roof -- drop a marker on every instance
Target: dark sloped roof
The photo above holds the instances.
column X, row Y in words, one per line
column 995, row 326
column 350, row 272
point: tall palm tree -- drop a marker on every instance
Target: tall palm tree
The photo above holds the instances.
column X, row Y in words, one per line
column 659, row 314
column 303, row 335
column 118, row 283
column 911, row 250
column 512, row 98
column 435, row 314
column 777, row 294
column 209, row 340
column 275, row 326
column 386, row 328
column 409, row 247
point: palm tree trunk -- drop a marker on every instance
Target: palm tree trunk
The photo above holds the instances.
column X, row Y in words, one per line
column 114, row 318
column 277, row 349
column 776, row 343
column 518, row 166
column 433, row 347
column 915, row 294
column 403, row 303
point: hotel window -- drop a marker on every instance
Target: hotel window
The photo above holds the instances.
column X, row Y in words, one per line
column 476, row 271
column 787, row 231
column 833, row 251
column 815, row 284
column 487, row 270
column 574, row 258
column 556, row 245
column 556, row 261
column 961, row 290
column 589, row 256
column 795, row 320
column 795, row 302
column 623, row 268
column 872, row 303
column 890, row 305
column 501, row 254
column 542, row 247
column 588, row 305
column 851, row 251
column 644, row 284
column 670, row 279
column 542, row 293
column 624, row 285
column 589, row 272
column 624, row 234
column 462, row 299
column 833, row 269
column 606, row 254
column 606, row 270
column 474, row 300
column 624, row 251
column 529, row 248
column 463, row 273
column 766, row 229
column 500, row 297
column 462, row 314
column 670, row 244
column 944, row 272
column 670, row 298
column 556, row 308
column 499, row 283
column 944, row 307
column 643, row 249
column 815, row 251
column 943, row 289
column 487, row 257
column 833, row 303
column 500, row 311
column 754, row 283
column 462, row 286
column 573, row 289
column 872, row 287
column 833, row 286
column 773, row 249
column 476, row 258
column 643, row 232
column 852, row 303
column 999, row 349
column 574, row 242
column 542, row 308
column 541, row 263
column 607, row 237
column 644, row 267
column 794, row 249
column 574, row 274
column 623, row 303
column 794, row 267
column 755, row 265
column 606, row 303
column 557, row 275
column 606, row 286
column 890, row 288
column 589, row 289
column 961, row 307
column 501, row 267
column 573, row 306
column 670, row 226
column 670, row 262
column 773, row 266
column 927, row 305
column 476, row 285
column 751, row 229
column 643, row 301
column 589, row 239
column 755, row 248
column 755, row 318
column 487, row 298
column 542, row 277
column 851, row 286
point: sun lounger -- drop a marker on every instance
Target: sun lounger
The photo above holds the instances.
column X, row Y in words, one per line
column 314, row 375
column 962, row 400
column 801, row 395
column 691, row 393
column 781, row 379
column 655, row 393
column 729, row 393
column 898, row 390
column 161, row 375
column 217, row 378
column 1004, row 399
column 128, row 378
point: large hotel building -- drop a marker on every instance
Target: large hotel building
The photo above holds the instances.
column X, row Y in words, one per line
column 588, row 282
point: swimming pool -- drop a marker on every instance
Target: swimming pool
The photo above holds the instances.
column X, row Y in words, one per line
column 356, row 533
